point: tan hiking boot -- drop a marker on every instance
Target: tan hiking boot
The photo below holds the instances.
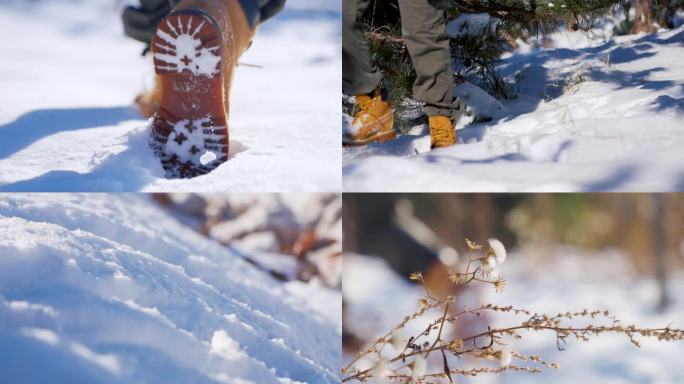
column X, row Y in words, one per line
column 148, row 101
column 195, row 50
column 373, row 121
column 442, row 131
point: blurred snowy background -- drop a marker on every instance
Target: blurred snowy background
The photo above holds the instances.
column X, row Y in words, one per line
column 291, row 236
column 123, row 288
column 69, row 77
column 623, row 253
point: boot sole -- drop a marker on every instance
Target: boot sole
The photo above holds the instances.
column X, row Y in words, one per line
column 190, row 129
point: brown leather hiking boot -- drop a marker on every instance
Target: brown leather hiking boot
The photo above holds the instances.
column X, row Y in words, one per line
column 373, row 121
column 442, row 131
column 148, row 101
column 195, row 50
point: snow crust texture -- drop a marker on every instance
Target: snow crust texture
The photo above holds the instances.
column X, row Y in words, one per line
column 112, row 289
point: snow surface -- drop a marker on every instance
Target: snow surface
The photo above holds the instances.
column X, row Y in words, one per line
column 593, row 115
column 111, row 289
column 376, row 298
column 69, row 78
column 471, row 24
column 479, row 103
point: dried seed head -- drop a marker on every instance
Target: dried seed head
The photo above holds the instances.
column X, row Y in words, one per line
column 423, row 303
column 457, row 278
column 499, row 285
column 505, row 356
column 419, row 367
column 472, row 245
column 398, row 341
column 416, row 276
column 381, row 369
column 488, row 267
column 455, row 345
column 488, row 261
column 498, row 249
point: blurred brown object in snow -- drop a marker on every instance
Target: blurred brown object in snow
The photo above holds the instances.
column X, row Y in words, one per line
column 307, row 227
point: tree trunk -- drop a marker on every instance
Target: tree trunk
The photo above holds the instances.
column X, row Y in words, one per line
column 643, row 20
column 660, row 249
column 665, row 13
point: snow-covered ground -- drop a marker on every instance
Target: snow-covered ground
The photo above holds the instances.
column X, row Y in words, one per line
column 376, row 298
column 593, row 115
column 100, row 288
column 68, row 78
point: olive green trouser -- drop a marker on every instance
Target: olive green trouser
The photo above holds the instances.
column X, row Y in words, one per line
column 424, row 31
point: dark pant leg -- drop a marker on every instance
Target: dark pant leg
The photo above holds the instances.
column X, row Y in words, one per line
column 258, row 11
column 424, row 30
column 359, row 75
column 270, row 8
column 141, row 22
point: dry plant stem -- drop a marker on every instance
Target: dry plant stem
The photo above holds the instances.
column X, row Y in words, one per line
column 477, row 311
column 384, row 339
column 630, row 331
column 439, row 334
column 408, row 371
column 487, row 307
column 591, row 329
column 472, row 372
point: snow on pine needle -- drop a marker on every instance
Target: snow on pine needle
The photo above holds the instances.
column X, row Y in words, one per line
column 403, row 356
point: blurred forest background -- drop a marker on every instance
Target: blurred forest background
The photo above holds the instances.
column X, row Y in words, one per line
column 415, row 228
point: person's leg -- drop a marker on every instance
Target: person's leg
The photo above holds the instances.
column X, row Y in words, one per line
column 373, row 116
column 359, row 75
column 424, row 32
column 270, row 8
column 141, row 21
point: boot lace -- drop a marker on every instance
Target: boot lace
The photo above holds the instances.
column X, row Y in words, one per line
column 443, row 134
column 364, row 109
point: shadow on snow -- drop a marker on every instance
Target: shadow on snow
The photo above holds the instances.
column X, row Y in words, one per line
column 35, row 125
